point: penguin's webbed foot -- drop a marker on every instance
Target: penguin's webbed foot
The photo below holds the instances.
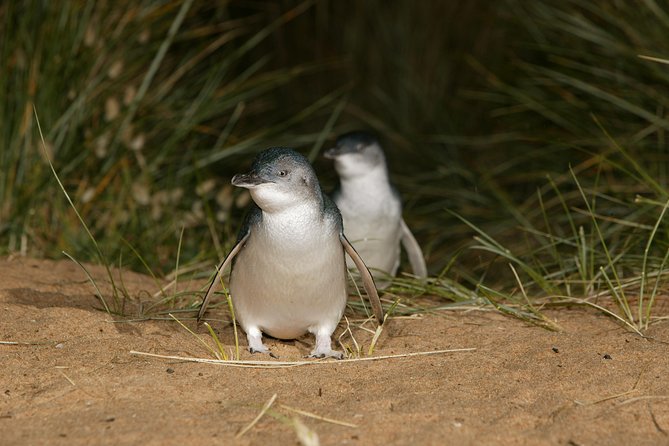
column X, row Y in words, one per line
column 329, row 353
column 254, row 336
column 323, row 348
column 260, row 350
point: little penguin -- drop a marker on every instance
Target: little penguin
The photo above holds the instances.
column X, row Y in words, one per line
column 371, row 207
column 288, row 277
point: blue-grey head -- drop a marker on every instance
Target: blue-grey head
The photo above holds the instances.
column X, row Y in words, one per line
column 356, row 153
column 279, row 179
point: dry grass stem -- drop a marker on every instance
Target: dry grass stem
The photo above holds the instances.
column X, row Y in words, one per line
column 199, row 338
column 318, row 417
column 67, row 377
column 350, row 333
column 26, row 343
column 612, row 397
column 284, row 364
column 643, row 398
column 266, row 407
column 653, row 59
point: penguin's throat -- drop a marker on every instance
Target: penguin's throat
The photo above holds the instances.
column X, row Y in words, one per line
column 280, row 202
column 294, row 221
column 370, row 187
column 350, row 172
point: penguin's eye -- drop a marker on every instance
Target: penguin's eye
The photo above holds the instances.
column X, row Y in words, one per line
column 283, row 173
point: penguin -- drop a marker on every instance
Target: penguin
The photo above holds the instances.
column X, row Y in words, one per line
column 289, row 272
column 371, row 207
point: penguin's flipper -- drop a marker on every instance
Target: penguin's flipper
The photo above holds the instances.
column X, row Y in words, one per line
column 367, row 279
column 227, row 261
column 414, row 252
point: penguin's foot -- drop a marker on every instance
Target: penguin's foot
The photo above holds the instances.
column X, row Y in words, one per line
column 323, row 347
column 254, row 337
column 271, row 355
column 261, row 350
column 326, row 353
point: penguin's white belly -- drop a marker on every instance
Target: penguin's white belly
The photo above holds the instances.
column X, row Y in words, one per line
column 289, row 285
column 374, row 233
column 379, row 246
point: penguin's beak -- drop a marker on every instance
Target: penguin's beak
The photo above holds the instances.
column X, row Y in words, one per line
column 248, row 180
column 331, row 153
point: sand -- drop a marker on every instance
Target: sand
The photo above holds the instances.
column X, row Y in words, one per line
column 72, row 379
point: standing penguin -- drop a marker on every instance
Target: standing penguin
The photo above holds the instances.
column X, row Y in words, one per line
column 289, row 271
column 371, row 207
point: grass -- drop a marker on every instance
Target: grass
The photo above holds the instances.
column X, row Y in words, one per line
column 167, row 88
column 591, row 234
column 528, row 140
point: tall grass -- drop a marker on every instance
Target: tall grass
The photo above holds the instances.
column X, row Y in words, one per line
column 143, row 104
column 591, row 113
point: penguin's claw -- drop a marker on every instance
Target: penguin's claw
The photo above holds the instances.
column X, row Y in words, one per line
column 264, row 349
column 326, row 354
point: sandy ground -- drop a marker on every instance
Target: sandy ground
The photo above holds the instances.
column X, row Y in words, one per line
column 72, row 379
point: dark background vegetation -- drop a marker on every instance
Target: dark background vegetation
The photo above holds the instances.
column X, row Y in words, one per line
column 148, row 108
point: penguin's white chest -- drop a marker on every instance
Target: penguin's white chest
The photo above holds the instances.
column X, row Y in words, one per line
column 290, row 278
column 372, row 225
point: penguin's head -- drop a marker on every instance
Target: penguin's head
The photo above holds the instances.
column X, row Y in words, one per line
column 279, row 179
column 356, row 153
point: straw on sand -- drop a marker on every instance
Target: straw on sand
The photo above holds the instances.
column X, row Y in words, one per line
column 285, row 364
